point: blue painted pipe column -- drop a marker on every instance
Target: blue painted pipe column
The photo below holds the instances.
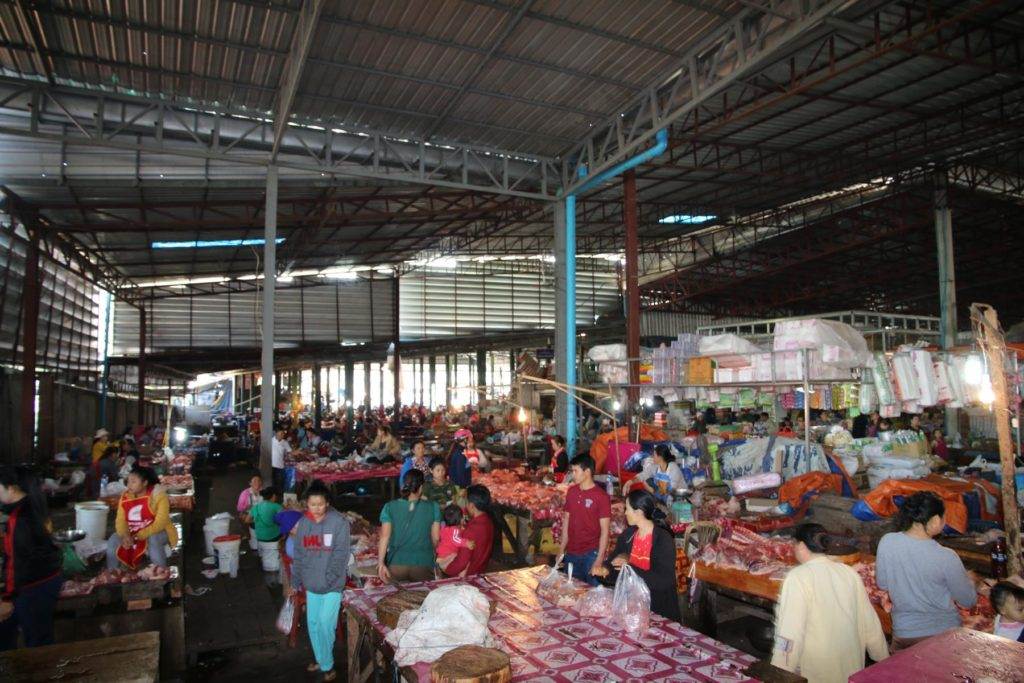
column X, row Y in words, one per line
column 566, row 312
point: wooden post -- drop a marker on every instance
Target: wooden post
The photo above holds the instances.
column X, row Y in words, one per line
column 990, row 339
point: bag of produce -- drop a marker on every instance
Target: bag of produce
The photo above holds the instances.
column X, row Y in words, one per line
column 596, row 603
column 631, row 604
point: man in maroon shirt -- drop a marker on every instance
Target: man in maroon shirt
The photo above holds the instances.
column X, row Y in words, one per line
column 586, row 520
column 480, row 529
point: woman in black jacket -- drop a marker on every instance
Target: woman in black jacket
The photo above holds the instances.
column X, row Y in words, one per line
column 648, row 547
column 32, row 562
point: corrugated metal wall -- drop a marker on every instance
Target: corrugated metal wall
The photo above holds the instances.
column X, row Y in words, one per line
column 496, row 298
column 668, row 324
column 68, row 311
column 357, row 311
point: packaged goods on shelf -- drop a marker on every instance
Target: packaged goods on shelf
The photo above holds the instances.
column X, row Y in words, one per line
column 701, row 370
column 726, row 345
column 840, row 345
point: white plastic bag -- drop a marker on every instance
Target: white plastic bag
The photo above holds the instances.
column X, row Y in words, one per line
column 286, row 617
column 595, row 603
column 631, row 604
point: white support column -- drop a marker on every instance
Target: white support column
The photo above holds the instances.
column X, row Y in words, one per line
column 947, row 277
column 268, row 405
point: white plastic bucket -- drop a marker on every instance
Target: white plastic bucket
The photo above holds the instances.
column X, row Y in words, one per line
column 227, row 548
column 254, row 544
column 208, row 535
column 220, row 523
column 91, row 517
column 270, row 556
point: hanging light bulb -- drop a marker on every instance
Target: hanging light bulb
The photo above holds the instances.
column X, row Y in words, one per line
column 522, row 415
column 974, row 372
column 987, row 395
column 616, row 406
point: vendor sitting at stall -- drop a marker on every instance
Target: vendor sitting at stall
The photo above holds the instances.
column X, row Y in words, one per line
column 459, row 468
column 824, row 620
column 437, row 488
column 248, row 498
column 648, row 547
column 107, row 466
column 384, row 446
column 143, row 523
column 661, row 474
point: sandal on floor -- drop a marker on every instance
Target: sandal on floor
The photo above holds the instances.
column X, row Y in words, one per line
column 330, row 675
column 312, row 668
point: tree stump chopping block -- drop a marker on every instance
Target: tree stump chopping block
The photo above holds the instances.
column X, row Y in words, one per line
column 391, row 607
column 472, row 664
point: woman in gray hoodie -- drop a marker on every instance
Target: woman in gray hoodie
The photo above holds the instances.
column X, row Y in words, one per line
column 320, row 566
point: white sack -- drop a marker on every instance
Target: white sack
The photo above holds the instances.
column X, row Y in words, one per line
column 450, row 616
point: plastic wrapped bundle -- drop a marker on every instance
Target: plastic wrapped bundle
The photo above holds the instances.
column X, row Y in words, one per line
column 906, row 377
column 883, row 386
column 926, row 381
column 840, row 345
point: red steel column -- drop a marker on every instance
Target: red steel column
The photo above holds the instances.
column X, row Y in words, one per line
column 141, row 416
column 632, row 282
column 29, row 327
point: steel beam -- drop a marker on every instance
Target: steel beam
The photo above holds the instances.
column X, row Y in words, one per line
column 757, row 36
column 632, row 284
column 947, row 280
column 144, row 126
column 396, row 340
column 140, row 416
column 305, row 28
column 29, row 342
column 564, row 354
column 268, row 399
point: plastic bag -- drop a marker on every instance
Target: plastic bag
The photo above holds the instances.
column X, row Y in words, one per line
column 631, row 604
column 596, row 603
column 286, row 617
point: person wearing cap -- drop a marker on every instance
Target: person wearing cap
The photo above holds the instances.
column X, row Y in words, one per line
column 99, row 444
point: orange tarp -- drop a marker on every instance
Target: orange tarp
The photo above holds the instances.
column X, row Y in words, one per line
column 599, row 449
column 793, row 491
column 880, row 499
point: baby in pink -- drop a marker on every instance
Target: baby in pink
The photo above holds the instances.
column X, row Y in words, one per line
column 451, row 537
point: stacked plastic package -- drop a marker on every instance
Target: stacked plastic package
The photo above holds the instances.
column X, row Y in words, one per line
column 911, row 380
column 669, row 364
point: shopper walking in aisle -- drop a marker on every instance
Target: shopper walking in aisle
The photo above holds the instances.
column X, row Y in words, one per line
column 31, row 561
column 279, row 448
column 409, row 533
column 648, row 547
column 479, row 531
column 143, row 522
column 925, row 580
column 320, row 567
column 586, row 521
column 824, row 620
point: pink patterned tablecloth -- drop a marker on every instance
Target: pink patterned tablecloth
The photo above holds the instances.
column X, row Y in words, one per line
column 553, row 644
column 350, row 475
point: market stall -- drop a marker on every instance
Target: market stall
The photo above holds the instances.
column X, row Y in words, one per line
column 337, row 472
column 544, row 640
column 133, row 657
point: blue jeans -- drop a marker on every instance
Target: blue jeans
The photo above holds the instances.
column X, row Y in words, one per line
column 581, row 565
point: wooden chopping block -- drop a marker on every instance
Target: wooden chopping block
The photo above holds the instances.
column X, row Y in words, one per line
column 391, row 607
column 472, row 664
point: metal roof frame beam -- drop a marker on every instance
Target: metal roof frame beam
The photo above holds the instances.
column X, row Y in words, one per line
column 753, row 39
column 74, row 116
column 302, row 38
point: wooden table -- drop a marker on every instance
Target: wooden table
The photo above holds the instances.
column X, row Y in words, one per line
column 957, row 655
column 550, row 643
column 754, row 589
column 134, row 657
column 974, row 556
column 527, row 535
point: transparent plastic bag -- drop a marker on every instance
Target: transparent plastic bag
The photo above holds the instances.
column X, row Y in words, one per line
column 286, row 617
column 595, row 603
column 631, row 604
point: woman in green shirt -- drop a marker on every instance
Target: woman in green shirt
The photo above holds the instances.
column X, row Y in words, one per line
column 262, row 515
column 438, row 488
column 410, row 530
